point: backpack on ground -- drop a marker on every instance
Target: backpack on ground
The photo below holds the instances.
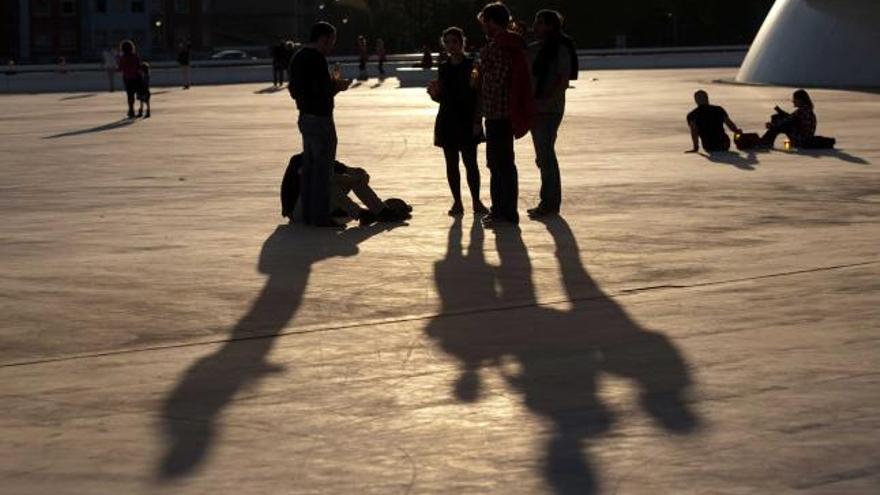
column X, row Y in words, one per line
column 819, row 143
column 290, row 185
column 747, row 141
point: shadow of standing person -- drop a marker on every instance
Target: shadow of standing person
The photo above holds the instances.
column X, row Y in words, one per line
column 190, row 411
column 559, row 355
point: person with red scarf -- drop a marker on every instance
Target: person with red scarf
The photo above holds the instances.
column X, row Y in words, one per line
column 508, row 107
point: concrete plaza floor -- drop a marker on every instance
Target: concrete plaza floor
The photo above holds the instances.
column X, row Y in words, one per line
column 692, row 324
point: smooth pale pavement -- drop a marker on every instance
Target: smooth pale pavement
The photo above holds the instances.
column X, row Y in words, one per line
column 691, row 325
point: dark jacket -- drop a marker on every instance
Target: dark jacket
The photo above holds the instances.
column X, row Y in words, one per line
column 458, row 105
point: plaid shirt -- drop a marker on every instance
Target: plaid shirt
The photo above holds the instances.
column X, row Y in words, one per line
column 495, row 72
column 803, row 125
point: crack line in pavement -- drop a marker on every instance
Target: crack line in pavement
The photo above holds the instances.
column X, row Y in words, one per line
column 405, row 319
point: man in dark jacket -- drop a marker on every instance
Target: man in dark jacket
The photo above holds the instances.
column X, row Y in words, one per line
column 313, row 89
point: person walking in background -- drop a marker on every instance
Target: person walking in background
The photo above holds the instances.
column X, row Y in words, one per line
column 458, row 129
column 707, row 125
column 143, row 94
column 279, row 59
column 109, row 63
column 130, row 65
column 427, row 59
column 363, row 56
column 508, row 107
column 799, row 127
column 550, row 62
column 289, row 51
column 313, row 89
column 381, row 56
column 184, row 59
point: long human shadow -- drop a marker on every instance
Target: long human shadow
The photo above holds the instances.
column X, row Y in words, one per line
column 190, row 410
column 78, row 97
column 101, row 128
column 733, row 158
column 558, row 355
column 833, row 153
column 270, row 90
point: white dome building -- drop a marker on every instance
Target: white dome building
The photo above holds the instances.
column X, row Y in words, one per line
column 826, row 43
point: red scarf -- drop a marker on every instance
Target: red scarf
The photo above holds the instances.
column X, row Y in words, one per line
column 522, row 103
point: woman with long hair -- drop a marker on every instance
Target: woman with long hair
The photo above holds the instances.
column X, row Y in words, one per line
column 458, row 129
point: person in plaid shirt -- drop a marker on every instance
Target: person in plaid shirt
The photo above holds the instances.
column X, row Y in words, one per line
column 800, row 126
column 508, row 107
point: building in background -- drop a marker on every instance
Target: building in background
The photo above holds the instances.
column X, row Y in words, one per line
column 234, row 23
column 105, row 23
column 9, row 33
column 52, row 29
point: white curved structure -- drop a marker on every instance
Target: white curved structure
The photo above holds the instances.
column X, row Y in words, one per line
column 830, row 43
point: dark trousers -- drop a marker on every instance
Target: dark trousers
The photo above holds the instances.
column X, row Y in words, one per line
column 769, row 137
column 504, row 181
column 468, row 154
column 277, row 75
column 319, row 151
column 544, row 134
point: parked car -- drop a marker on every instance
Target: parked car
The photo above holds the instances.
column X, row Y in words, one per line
column 232, row 55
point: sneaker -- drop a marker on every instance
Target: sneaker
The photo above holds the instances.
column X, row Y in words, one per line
column 539, row 212
column 131, row 114
column 492, row 221
column 147, row 115
column 366, row 218
column 392, row 215
column 456, row 210
column 140, row 113
column 480, row 209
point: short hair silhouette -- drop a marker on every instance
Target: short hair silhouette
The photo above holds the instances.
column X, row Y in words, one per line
column 320, row 30
column 551, row 18
column 452, row 31
column 495, row 12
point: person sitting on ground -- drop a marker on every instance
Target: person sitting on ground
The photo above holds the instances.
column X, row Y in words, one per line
column 799, row 126
column 143, row 92
column 707, row 125
column 343, row 180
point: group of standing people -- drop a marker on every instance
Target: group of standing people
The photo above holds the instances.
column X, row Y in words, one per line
column 514, row 89
column 136, row 74
column 135, row 78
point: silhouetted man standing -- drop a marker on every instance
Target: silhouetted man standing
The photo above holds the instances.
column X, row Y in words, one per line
column 313, row 88
column 508, row 107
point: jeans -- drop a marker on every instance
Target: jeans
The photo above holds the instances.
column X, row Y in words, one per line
column 319, row 152
column 354, row 180
column 544, row 134
column 504, row 180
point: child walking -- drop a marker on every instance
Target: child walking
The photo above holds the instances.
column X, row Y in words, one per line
column 458, row 129
column 143, row 94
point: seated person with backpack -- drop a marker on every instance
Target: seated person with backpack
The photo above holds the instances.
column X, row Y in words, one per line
column 707, row 125
column 343, row 180
column 800, row 126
